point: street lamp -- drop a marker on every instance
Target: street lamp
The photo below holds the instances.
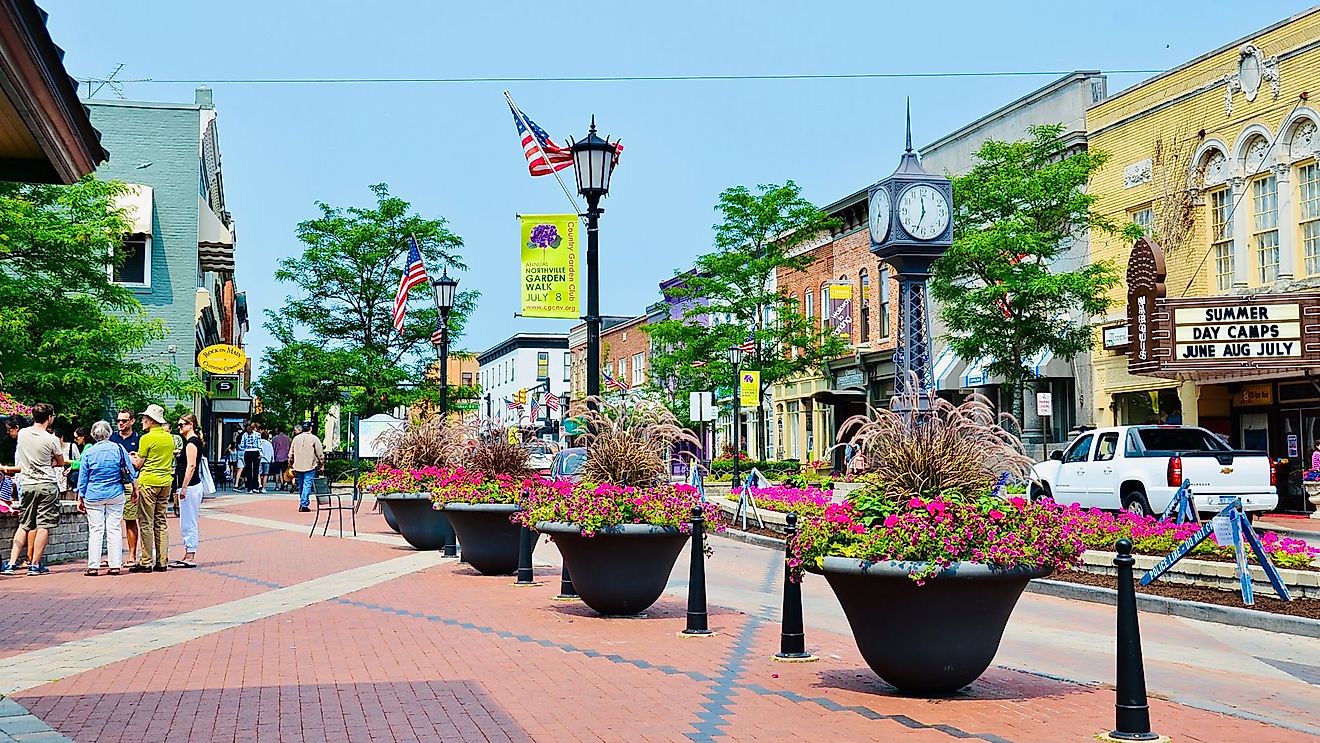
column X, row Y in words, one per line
column 445, row 288
column 593, row 162
column 735, row 358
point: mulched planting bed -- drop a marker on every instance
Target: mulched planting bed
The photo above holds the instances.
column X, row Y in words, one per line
column 1265, row 601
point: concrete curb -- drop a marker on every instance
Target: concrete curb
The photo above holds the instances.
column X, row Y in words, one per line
column 1230, row 615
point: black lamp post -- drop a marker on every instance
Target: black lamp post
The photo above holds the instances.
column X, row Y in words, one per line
column 735, row 358
column 593, row 161
column 445, row 288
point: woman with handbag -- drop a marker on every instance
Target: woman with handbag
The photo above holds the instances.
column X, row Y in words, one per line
column 188, row 477
column 101, row 478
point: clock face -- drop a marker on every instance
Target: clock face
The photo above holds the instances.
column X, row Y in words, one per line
column 879, row 215
column 924, row 212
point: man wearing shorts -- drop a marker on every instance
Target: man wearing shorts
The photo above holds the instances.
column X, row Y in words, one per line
column 40, row 459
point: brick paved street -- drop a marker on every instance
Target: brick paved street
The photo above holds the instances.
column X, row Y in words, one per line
column 281, row 637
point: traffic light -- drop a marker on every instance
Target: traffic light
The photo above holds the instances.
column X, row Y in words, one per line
column 520, row 396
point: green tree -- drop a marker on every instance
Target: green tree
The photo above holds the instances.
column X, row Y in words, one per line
column 68, row 334
column 1004, row 292
column 346, row 279
column 736, row 299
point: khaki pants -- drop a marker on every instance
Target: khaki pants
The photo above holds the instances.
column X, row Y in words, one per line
column 152, row 502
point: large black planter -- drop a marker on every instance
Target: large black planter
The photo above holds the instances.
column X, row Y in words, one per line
column 621, row 570
column 385, row 511
column 420, row 524
column 931, row 639
column 489, row 539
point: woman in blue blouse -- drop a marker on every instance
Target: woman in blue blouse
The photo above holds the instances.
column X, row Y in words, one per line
column 101, row 497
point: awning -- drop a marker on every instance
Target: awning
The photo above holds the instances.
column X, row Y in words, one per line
column 215, row 242
column 1043, row 366
column 839, row 397
column 976, row 374
column 945, row 370
column 135, row 202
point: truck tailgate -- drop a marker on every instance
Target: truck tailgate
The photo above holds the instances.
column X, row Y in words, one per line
column 1227, row 473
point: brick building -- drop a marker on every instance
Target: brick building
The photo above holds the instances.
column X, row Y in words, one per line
column 577, row 351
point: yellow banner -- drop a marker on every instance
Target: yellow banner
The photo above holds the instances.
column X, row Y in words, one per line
column 840, row 291
column 550, row 265
column 749, row 388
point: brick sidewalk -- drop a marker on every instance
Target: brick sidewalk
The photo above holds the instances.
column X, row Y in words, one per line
column 443, row 653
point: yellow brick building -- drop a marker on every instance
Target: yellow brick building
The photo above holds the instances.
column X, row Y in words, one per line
column 1217, row 159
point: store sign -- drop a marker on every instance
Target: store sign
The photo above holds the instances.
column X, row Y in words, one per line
column 1254, row 394
column 1044, row 404
column 840, row 296
column 221, row 358
column 850, row 378
column 1214, row 334
column 1116, row 337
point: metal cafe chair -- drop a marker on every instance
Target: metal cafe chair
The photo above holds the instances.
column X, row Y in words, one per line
column 329, row 502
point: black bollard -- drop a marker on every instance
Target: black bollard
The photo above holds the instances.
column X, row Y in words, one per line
column 526, row 542
column 566, row 590
column 1131, row 713
column 451, row 542
column 696, row 609
column 792, row 640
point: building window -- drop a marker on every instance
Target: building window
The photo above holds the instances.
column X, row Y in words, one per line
column 467, row 379
column 638, row 369
column 542, row 365
column 884, row 301
column 1145, row 219
column 568, row 367
column 1265, row 228
column 808, row 308
column 824, row 306
column 623, row 369
column 1221, row 237
column 864, row 289
column 135, row 270
column 1308, row 184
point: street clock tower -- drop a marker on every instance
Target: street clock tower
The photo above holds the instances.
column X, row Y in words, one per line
column 911, row 224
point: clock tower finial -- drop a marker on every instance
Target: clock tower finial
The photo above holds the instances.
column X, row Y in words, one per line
column 909, row 124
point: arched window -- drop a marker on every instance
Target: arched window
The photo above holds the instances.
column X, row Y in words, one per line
column 808, row 306
column 1302, row 147
column 825, row 304
column 864, row 291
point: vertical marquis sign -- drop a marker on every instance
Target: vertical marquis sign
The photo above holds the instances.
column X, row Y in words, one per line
column 1146, row 289
column 549, row 277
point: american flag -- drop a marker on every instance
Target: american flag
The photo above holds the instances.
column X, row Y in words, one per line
column 536, row 409
column 749, row 346
column 551, row 402
column 512, row 405
column 543, row 155
column 438, row 336
column 615, row 384
column 414, row 274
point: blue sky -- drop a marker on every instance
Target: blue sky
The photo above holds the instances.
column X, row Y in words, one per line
column 451, row 149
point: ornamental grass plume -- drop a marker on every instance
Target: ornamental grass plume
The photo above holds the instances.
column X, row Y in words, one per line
column 925, row 445
column 431, row 443
column 630, row 441
column 493, row 456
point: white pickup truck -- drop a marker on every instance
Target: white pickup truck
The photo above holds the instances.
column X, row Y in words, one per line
column 1140, row 468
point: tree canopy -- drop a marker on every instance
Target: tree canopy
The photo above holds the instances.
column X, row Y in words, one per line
column 336, row 332
column 733, row 298
column 1005, row 292
column 68, row 334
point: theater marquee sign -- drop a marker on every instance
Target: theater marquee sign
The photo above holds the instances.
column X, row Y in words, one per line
column 1214, row 334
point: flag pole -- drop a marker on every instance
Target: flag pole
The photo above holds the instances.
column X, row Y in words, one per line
column 526, row 125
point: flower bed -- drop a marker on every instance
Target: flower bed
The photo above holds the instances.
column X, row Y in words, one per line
column 1099, row 530
column 809, row 502
column 9, row 406
column 594, row 507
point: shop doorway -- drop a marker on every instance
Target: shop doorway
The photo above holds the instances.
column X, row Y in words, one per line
column 1299, row 430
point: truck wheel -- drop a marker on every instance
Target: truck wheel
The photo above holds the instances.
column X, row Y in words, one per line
column 1134, row 501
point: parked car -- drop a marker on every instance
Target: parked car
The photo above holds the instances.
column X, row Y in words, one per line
column 540, row 456
column 568, row 464
column 1140, row 468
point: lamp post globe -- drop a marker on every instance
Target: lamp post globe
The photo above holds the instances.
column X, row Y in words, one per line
column 445, row 289
column 593, row 164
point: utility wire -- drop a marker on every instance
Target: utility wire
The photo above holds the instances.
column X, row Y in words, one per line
column 612, row 78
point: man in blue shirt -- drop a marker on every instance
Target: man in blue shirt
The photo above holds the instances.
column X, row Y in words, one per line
column 127, row 438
